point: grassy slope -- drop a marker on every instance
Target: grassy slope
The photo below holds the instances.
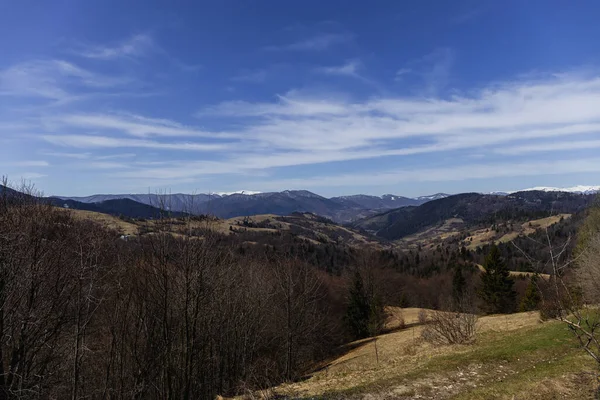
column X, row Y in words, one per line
column 515, row 355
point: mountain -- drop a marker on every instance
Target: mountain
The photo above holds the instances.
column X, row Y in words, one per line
column 579, row 189
column 178, row 202
column 113, row 206
column 471, row 209
column 436, row 196
column 118, row 207
column 244, row 203
column 376, row 202
column 279, row 203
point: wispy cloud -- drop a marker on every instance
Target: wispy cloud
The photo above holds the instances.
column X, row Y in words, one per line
column 26, row 163
column 132, row 124
column 433, row 70
column 445, row 174
column 561, row 146
column 315, row 43
column 350, row 68
column 94, row 141
column 52, row 79
column 135, row 46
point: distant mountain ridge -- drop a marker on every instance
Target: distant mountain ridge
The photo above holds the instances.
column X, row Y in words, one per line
column 471, row 208
column 341, row 209
column 579, row 189
column 244, row 203
column 115, row 206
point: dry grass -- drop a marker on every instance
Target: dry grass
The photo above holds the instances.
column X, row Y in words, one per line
column 502, row 363
column 527, row 228
column 106, row 220
column 519, row 274
column 484, row 236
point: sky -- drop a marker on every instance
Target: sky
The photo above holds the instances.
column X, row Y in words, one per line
column 336, row 97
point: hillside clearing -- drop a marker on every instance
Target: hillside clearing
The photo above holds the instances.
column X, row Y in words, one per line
column 106, row 220
column 515, row 355
column 484, row 236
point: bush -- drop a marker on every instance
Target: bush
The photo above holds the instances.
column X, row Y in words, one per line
column 450, row 328
column 457, row 326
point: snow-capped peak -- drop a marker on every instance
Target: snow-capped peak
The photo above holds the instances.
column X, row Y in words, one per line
column 580, row 189
column 432, row 197
column 248, row 192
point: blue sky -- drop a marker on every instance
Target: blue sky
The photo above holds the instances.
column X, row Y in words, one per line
column 336, row 97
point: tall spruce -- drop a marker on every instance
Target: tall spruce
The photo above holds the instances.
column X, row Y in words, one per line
column 497, row 286
column 359, row 310
column 459, row 284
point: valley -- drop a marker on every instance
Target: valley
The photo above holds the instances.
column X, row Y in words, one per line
column 338, row 310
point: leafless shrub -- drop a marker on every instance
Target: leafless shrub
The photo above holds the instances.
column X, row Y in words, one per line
column 451, row 327
column 422, row 317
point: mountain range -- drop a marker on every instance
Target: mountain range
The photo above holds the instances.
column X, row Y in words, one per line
column 473, row 209
column 339, row 209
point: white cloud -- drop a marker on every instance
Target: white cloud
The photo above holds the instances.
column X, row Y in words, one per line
column 30, row 176
column 26, row 163
column 53, row 80
column 551, row 146
column 135, row 46
column 131, row 124
column 93, row 141
column 433, row 70
column 349, row 69
column 515, row 118
column 316, row 43
column 401, row 72
column 445, row 174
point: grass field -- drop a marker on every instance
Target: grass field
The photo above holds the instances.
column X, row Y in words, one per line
column 106, row 220
column 515, row 357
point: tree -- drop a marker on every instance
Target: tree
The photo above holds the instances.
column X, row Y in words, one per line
column 459, row 284
column 532, row 296
column 359, row 310
column 497, row 290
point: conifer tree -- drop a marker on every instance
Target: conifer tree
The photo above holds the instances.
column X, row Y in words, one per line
column 459, row 284
column 497, row 286
column 359, row 311
column 532, row 296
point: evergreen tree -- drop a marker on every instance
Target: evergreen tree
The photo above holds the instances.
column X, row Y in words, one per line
column 532, row 297
column 359, row 311
column 497, row 290
column 459, row 284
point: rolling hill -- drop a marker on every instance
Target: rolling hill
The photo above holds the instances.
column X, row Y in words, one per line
column 472, row 209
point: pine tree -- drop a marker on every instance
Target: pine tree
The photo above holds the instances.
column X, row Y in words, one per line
column 532, row 297
column 459, row 284
column 359, row 311
column 497, row 290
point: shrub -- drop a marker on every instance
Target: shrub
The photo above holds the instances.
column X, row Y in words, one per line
column 450, row 328
column 458, row 326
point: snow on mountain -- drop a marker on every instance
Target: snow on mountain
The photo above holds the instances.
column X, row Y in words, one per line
column 247, row 192
column 579, row 189
column 432, row 197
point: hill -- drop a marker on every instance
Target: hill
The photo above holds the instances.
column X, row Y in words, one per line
column 472, row 209
column 515, row 356
column 117, row 207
